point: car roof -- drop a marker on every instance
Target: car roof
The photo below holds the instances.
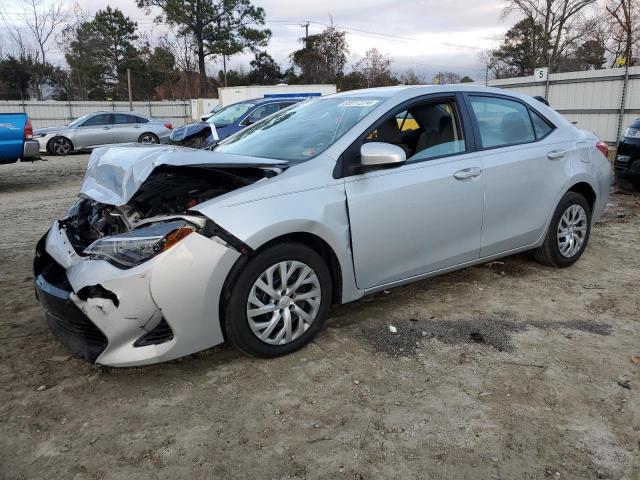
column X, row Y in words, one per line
column 260, row 101
column 137, row 114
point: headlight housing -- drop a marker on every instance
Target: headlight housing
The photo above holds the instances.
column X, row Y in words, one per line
column 139, row 245
column 632, row 133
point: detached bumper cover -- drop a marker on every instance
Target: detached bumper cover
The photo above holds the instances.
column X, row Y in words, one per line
column 166, row 308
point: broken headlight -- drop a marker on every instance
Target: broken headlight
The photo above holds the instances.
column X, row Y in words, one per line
column 137, row 246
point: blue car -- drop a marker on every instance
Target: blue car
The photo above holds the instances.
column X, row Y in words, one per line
column 229, row 120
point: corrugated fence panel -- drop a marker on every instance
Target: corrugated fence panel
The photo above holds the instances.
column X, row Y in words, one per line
column 591, row 98
column 52, row 113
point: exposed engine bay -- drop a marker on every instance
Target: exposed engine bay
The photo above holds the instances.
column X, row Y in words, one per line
column 168, row 193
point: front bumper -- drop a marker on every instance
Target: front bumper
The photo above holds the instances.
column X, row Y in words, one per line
column 165, row 308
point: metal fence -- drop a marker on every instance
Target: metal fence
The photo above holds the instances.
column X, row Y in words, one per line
column 52, row 113
column 595, row 99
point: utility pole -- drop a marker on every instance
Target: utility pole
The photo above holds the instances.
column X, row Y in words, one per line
column 129, row 87
column 224, row 68
column 306, row 30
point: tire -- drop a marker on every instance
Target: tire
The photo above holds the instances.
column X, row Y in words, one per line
column 150, row 138
column 60, row 146
column 236, row 322
column 557, row 250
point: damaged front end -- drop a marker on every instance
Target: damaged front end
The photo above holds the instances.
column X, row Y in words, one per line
column 132, row 275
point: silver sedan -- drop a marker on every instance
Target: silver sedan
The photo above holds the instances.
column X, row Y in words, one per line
column 102, row 128
column 170, row 251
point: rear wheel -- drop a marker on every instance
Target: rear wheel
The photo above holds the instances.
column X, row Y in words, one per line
column 568, row 232
column 148, row 138
column 60, row 146
column 279, row 301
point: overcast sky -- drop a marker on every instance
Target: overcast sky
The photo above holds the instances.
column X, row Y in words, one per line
column 425, row 35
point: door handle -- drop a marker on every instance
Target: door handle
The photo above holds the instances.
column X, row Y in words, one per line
column 467, row 173
column 556, row 154
column 106, row 128
column 137, row 126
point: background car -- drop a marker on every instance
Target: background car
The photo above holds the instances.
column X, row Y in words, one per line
column 627, row 162
column 229, row 120
column 102, row 128
column 16, row 138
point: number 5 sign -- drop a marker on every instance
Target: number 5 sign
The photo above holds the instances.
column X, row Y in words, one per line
column 540, row 74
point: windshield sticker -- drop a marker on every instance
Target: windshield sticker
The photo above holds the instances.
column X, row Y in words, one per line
column 358, row 103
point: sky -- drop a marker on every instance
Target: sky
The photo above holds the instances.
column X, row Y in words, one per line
column 424, row 35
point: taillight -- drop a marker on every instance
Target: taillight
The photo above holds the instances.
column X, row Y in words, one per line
column 603, row 148
column 28, row 130
column 168, row 125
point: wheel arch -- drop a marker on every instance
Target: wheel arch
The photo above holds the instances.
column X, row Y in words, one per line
column 311, row 240
column 73, row 147
column 587, row 191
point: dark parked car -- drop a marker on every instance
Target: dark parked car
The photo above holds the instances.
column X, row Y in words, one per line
column 627, row 162
column 229, row 120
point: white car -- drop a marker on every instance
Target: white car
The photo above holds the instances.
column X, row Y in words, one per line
column 171, row 250
column 102, row 128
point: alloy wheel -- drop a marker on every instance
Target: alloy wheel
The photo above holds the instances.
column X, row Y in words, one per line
column 61, row 146
column 148, row 138
column 283, row 302
column 572, row 230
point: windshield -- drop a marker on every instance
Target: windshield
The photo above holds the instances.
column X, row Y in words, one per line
column 229, row 114
column 79, row 120
column 300, row 132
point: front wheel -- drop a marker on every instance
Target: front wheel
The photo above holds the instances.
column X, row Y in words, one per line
column 278, row 301
column 60, row 146
column 568, row 232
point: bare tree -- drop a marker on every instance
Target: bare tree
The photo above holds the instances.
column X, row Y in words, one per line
column 625, row 20
column 558, row 19
column 36, row 23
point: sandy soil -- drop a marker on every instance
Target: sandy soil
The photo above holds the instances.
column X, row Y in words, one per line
column 509, row 370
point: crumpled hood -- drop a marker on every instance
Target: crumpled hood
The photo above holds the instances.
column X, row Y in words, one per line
column 114, row 174
column 184, row 131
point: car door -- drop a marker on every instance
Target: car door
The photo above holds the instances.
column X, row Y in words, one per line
column 425, row 215
column 126, row 129
column 96, row 130
column 525, row 166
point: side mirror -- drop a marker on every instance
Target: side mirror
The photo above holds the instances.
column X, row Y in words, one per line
column 375, row 154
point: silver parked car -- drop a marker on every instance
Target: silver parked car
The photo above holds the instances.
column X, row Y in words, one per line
column 102, row 128
column 170, row 250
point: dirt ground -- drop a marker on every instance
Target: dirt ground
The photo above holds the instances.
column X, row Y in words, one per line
column 509, row 370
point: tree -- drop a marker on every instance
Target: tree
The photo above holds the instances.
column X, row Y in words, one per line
column 555, row 22
column 447, row 78
column 590, row 55
column 15, row 77
column 521, row 50
column 322, row 57
column 374, row 69
column 625, row 25
column 216, row 27
column 32, row 29
column 264, row 70
column 467, row 79
column 99, row 52
column 410, row 77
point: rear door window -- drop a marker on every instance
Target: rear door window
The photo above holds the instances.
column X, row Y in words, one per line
column 502, row 122
column 122, row 119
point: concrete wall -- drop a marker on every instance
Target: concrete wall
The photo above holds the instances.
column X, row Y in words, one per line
column 592, row 98
column 52, row 113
